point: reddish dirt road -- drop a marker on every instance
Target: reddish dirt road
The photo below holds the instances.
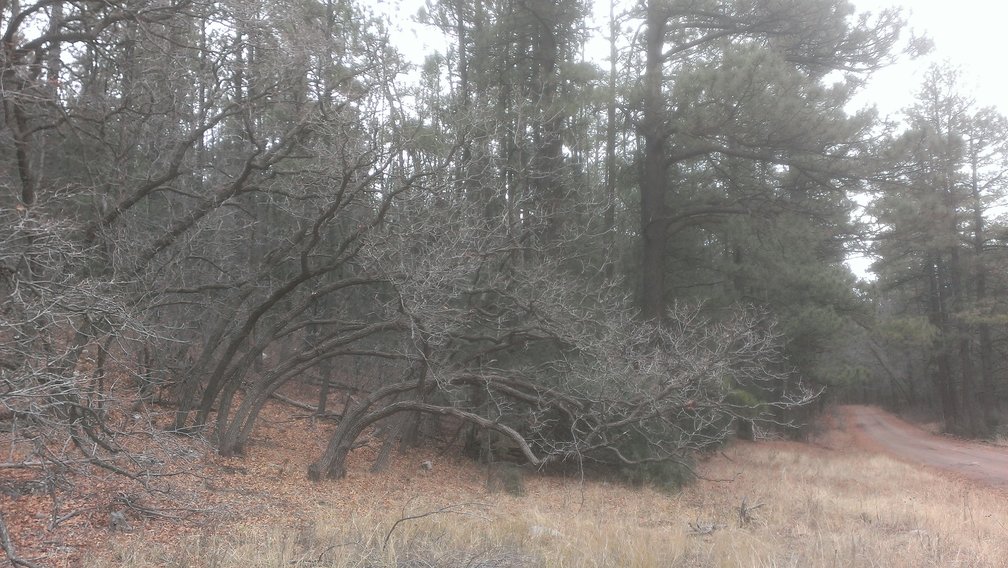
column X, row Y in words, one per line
column 979, row 462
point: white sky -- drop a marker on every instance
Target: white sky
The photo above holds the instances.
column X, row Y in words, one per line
column 968, row 33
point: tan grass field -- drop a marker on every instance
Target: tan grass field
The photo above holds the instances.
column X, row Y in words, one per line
column 828, row 504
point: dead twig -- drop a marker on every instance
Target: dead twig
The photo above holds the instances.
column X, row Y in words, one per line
column 699, row 528
column 746, row 510
column 133, row 504
column 295, row 403
column 57, row 521
column 443, row 510
column 22, row 465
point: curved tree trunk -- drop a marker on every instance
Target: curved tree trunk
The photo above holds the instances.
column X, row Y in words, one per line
column 333, row 463
column 229, row 432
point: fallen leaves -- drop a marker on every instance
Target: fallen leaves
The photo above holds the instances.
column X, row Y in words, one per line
column 266, row 486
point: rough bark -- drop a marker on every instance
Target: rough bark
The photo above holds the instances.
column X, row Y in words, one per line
column 653, row 180
column 987, row 392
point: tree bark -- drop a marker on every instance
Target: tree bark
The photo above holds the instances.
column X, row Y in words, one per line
column 610, row 156
column 653, row 224
column 345, row 437
column 332, row 463
column 944, row 380
column 971, row 419
column 987, row 394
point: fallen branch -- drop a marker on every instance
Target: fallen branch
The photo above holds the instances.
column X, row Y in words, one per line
column 703, row 528
column 141, row 509
column 22, row 465
column 8, row 547
column 745, row 514
column 295, row 403
column 57, row 521
column 305, row 406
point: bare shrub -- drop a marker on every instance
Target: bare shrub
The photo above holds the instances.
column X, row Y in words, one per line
column 505, row 335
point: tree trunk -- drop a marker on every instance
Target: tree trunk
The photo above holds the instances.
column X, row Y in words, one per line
column 944, row 381
column 653, row 218
column 610, row 156
column 550, row 151
column 987, row 392
column 332, row 463
column 323, row 399
column 972, row 419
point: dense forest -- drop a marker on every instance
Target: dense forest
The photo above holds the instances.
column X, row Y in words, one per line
column 535, row 252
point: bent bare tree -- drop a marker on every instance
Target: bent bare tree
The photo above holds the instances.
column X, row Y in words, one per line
column 558, row 365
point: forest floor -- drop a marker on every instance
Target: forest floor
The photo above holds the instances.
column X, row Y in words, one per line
column 839, row 500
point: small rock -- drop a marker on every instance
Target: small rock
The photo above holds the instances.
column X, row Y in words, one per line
column 118, row 522
column 426, row 465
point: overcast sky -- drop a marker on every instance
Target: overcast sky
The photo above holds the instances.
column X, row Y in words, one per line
column 968, row 33
column 972, row 34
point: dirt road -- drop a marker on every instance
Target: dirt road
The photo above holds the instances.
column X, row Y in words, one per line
column 980, row 462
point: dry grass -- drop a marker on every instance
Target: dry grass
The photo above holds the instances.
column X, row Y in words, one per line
column 821, row 506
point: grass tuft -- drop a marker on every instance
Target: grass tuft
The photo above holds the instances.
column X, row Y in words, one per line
column 818, row 507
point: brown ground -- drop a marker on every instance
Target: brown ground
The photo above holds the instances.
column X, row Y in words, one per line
column 879, row 429
column 268, row 486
